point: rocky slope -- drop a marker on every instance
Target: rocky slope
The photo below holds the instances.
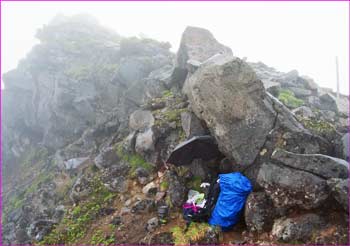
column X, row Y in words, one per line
column 90, row 118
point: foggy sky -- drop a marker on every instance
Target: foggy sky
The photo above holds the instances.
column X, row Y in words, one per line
column 286, row 35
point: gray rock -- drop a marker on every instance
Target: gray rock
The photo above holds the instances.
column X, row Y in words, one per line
column 320, row 165
column 300, row 92
column 106, row 158
column 259, row 212
column 328, row 115
column 75, row 162
column 304, row 111
column 339, row 190
column 345, row 145
column 80, row 190
column 143, row 206
column 191, row 125
column 152, row 224
column 117, row 184
column 145, row 141
column 140, row 120
column 289, row 187
column 198, row 44
column 298, row 229
column 328, row 102
column 142, row 175
column 309, row 83
column 176, row 191
column 240, row 130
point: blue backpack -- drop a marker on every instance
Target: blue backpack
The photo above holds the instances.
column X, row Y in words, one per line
column 234, row 190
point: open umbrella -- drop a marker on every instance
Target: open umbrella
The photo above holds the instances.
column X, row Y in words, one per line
column 199, row 147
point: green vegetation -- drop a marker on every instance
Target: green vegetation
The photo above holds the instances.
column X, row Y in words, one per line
column 288, row 98
column 195, row 232
column 318, row 126
column 167, row 94
column 195, row 183
column 34, row 156
column 76, row 221
column 135, row 160
column 164, row 185
column 101, row 238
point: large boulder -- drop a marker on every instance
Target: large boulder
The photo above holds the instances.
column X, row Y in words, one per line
column 298, row 229
column 345, row 146
column 339, row 189
column 196, row 46
column 320, row 165
column 259, row 212
column 227, row 95
column 289, row 187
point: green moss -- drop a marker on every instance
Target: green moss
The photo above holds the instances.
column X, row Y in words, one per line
column 194, row 233
column 77, row 220
column 167, row 94
column 135, row 160
column 288, row 98
column 318, row 126
column 101, row 238
column 164, row 185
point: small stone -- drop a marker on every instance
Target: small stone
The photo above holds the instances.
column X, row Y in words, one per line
column 124, row 211
column 152, row 224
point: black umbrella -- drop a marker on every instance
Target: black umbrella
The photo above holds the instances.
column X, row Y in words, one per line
column 200, row 147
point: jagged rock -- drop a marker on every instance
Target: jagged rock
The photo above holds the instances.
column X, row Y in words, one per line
column 145, row 141
column 240, row 130
column 289, row 187
column 75, row 162
column 152, row 224
column 176, row 191
column 300, row 92
column 191, row 125
column 328, row 102
column 309, row 83
column 143, row 206
column 339, row 190
column 117, row 184
column 198, row 44
column 298, row 229
column 259, row 212
column 320, row 165
column 141, row 120
column 142, row 175
column 304, row 111
column 328, row 115
column 106, row 158
column 80, row 189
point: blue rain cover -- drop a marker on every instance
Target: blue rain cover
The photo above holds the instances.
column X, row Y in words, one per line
column 234, row 189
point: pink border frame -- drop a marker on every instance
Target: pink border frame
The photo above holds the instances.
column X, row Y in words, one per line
column 153, row 1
